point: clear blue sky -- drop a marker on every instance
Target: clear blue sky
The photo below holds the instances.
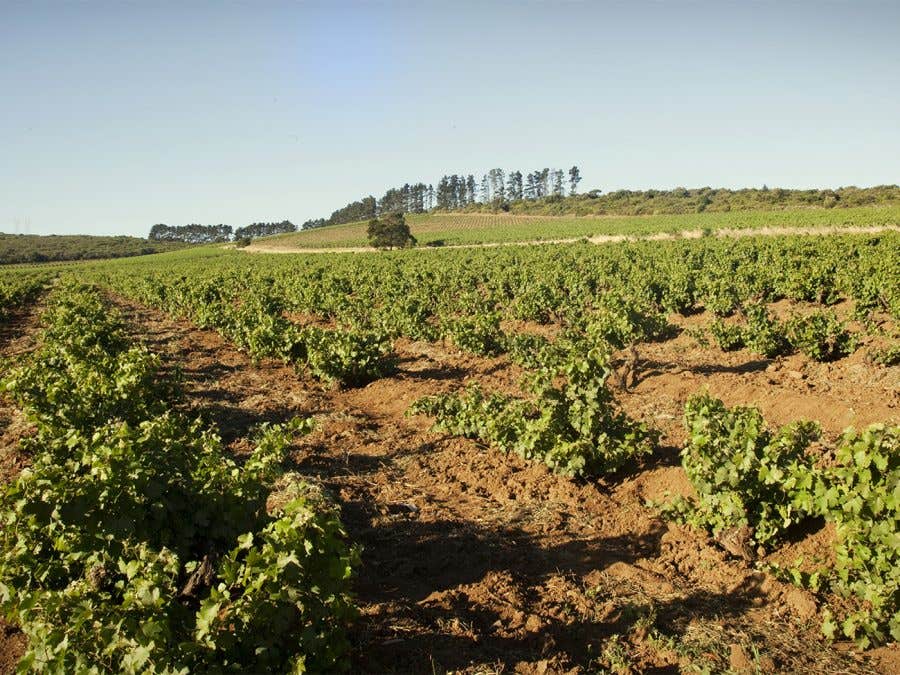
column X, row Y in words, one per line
column 118, row 115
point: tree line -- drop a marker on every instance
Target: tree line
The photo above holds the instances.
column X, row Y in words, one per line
column 456, row 191
column 216, row 234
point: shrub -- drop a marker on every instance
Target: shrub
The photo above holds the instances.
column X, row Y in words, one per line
column 763, row 334
column 859, row 493
column 728, row 336
column 758, row 483
column 345, row 357
column 821, row 336
column 477, row 333
column 886, row 356
column 572, row 427
column 743, row 473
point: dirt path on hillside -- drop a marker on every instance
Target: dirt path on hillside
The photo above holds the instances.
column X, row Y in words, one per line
column 481, row 562
column 604, row 239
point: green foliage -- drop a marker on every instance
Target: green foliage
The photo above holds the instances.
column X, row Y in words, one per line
column 345, row 357
column 620, row 321
column 814, row 282
column 528, row 349
column 763, row 334
column 757, row 331
column 718, row 294
column 477, row 333
column 749, row 477
column 585, row 216
column 537, row 302
column 572, row 427
column 135, row 543
column 743, row 473
column 86, row 371
column 20, row 289
column 860, row 493
column 391, row 231
column 282, row 601
column 820, row 335
column 257, row 323
column 494, row 418
column 33, row 248
column 617, row 293
column 728, row 336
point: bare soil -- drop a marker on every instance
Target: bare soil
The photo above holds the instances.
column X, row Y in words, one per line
column 475, row 561
column 480, row 562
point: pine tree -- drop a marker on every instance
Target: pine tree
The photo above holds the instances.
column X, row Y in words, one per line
column 558, row 177
column 443, row 193
column 544, row 182
column 470, row 189
column 574, row 180
column 530, row 187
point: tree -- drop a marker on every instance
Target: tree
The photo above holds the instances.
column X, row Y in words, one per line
column 498, row 188
column 530, row 187
column 558, row 183
column 574, row 180
column 453, row 187
column 313, row 223
column 543, row 182
column 159, row 232
column 514, row 186
column 391, row 231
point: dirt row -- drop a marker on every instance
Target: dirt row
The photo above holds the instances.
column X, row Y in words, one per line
column 482, row 562
column 17, row 337
column 479, row 562
column 263, row 247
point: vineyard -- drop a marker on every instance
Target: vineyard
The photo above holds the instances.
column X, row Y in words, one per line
column 645, row 457
column 449, row 229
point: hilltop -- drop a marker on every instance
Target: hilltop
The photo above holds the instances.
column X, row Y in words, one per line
column 34, row 248
column 462, row 228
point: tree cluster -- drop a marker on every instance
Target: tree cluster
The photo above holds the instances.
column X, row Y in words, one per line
column 456, row 191
column 254, row 230
column 191, row 234
column 216, row 234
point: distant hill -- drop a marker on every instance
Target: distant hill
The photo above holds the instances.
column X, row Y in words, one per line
column 680, row 201
column 34, row 248
column 460, row 228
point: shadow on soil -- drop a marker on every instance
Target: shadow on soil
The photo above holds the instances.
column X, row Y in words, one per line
column 421, row 575
column 432, row 582
column 650, row 368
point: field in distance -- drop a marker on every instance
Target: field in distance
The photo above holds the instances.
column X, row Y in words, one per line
column 453, row 229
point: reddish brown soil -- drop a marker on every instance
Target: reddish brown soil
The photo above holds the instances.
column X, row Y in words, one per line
column 479, row 562
column 848, row 392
